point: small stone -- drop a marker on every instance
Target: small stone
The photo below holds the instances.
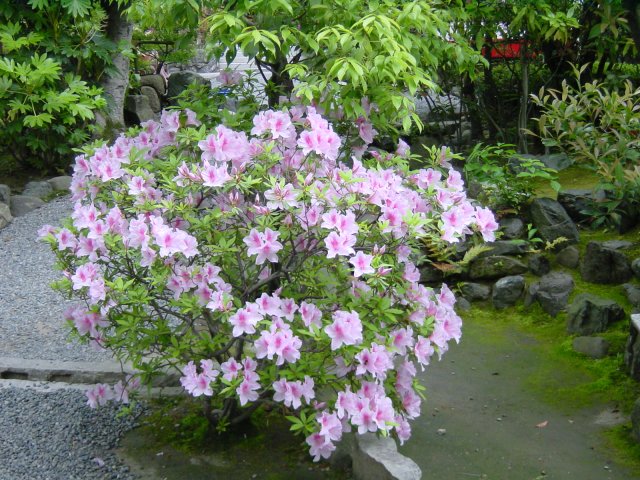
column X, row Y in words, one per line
column 569, row 257
column 441, row 431
column 475, row 291
column 551, row 292
column 495, row 267
column 61, row 183
column 617, row 244
column 157, row 82
column 138, row 107
column 512, row 228
column 552, row 221
column 635, row 268
column 594, row 347
column 21, row 204
column 37, row 189
column 539, row 264
column 507, row 291
column 604, row 265
column 635, row 420
column 5, row 215
column 633, row 294
column 154, row 98
column 5, row 194
column 589, row 314
column 463, row 304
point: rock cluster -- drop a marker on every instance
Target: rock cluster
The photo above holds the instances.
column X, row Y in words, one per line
column 32, row 196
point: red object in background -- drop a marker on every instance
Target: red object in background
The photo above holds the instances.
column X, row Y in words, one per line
column 506, row 50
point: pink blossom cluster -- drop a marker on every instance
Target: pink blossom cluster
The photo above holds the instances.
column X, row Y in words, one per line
column 263, row 256
column 101, row 393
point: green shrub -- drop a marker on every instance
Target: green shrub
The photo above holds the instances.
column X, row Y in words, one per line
column 598, row 126
column 43, row 111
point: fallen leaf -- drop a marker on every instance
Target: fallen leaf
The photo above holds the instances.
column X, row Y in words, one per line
column 542, row 424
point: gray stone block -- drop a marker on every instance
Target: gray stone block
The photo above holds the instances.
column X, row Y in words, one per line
column 604, row 265
column 37, row 189
column 154, row 98
column 5, row 194
column 475, row 291
column 552, row 221
column 5, row 215
column 512, row 228
column 632, row 350
column 495, row 267
column 138, row 106
column 589, row 314
column 594, row 347
column 569, row 257
column 22, row 204
column 507, row 291
column 61, row 183
column 552, row 292
column 635, row 421
column 157, row 82
column 378, row 459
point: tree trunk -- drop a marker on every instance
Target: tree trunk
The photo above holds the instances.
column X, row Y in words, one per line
column 633, row 17
column 119, row 30
column 524, row 100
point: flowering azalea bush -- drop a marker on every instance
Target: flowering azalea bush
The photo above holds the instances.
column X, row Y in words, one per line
column 264, row 269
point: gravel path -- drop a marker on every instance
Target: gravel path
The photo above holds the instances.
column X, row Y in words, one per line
column 56, row 436
column 47, row 433
column 31, row 320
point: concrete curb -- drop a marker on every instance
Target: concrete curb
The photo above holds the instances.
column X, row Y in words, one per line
column 73, row 372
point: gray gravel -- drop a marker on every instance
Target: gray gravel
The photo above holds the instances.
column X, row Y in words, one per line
column 45, row 433
column 51, row 436
column 31, row 320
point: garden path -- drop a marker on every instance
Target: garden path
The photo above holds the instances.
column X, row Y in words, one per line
column 496, row 427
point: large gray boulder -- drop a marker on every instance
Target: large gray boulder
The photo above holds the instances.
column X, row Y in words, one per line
column 138, row 108
column 506, row 247
column 179, row 81
column 605, row 265
column 37, row 189
column 635, row 268
column 594, row 347
column 5, row 215
column 575, row 202
column 633, row 295
column 589, row 314
column 569, row 257
column 475, row 291
column 632, row 350
column 557, row 161
column 635, row 421
column 495, row 267
column 512, row 228
column 552, row 221
column 22, row 204
column 157, row 82
column 376, row 458
column 154, row 98
column 61, row 183
column 539, row 264
column 5, row 194
column 552, row 292
column 507, row 291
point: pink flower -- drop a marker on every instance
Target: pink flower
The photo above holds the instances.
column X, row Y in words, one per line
column 330, row 426
column 277, row 124
column 361, row 264
column 230, row 369
column 66, row 239
column 338, row 244
column 264, row 245
column 311, row 315
column 85, row 275
column 281, row 197
column 244, row 321
column 320, row 446
column 346, row 329
column 366, row 130
column 100, row 394
column 247, row 391
column 213, row 176
column 486, row 223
